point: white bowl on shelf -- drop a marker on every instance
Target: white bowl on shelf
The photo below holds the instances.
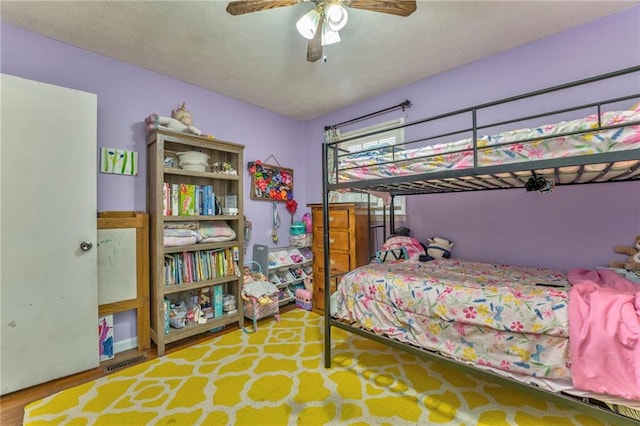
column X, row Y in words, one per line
column 193, row 160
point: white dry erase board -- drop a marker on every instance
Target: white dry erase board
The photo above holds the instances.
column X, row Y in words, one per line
column 116, row 265
column 123, row 268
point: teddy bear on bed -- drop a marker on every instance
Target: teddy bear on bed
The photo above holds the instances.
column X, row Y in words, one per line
column 633, row 261
column 180, row 121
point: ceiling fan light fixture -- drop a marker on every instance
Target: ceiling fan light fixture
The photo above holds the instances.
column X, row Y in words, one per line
column 336, row 16
column 329, row 36
column 308, row 24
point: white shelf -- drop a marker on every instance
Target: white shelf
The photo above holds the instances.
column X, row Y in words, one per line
column 289, row 266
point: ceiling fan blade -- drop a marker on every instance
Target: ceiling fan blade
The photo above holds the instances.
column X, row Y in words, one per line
column 397, row 7
column 314, row 50
column 248, row 6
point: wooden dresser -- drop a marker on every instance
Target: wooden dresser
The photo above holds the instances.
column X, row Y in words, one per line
column 348, row 244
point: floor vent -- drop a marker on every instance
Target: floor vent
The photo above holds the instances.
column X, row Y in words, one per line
column 119, row 365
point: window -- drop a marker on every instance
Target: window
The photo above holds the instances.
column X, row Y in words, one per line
column 382, row 139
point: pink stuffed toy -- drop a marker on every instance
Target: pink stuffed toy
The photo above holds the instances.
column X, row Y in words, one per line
column 306, row 219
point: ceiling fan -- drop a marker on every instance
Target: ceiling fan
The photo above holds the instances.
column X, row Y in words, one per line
column 321, row 24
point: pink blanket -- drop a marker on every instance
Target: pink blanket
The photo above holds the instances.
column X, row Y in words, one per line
column 604, row 333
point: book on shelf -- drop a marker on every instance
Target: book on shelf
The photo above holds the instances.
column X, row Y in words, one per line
column 199, row 265
column 297, row 273
column 166, row 199
column 284, row 294
column 188, row 272
column 217, row 301
column 306, row 252
column 187, row 199
column 166, row 315
column 199, row 195
column 175, row 199
column 296, row 257
column 209, row 202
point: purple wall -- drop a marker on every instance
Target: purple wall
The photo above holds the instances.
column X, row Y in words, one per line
column 127, row 94
column 571, row 227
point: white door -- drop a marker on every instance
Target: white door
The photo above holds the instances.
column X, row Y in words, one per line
column 48, row 283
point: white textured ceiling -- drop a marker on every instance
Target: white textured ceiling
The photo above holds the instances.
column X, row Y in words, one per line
column 259, row 57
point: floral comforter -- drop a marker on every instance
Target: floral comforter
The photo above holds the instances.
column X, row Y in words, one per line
column 508, row 318
column 540, row 143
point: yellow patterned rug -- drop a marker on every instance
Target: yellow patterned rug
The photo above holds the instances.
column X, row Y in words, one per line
column 276, row 377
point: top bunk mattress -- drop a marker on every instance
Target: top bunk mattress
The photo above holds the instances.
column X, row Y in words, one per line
column 564, row 139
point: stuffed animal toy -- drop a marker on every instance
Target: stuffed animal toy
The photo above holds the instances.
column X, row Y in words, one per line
column 439, row 248
column 633, row 261
column 180, row 121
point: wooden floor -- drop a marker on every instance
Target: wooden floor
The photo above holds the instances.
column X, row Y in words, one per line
column 12, row 405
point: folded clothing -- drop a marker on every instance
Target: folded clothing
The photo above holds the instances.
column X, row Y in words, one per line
column 182, row 233
column 181, row 225
column 217, row 230
column 178, row 241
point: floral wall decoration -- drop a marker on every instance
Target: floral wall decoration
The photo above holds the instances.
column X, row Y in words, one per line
column 270, row 182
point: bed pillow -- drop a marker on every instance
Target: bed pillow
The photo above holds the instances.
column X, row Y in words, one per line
column 383, row 256
column 413, row 247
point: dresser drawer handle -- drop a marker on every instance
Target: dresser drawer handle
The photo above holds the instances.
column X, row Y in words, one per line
column 331, row 218
column 332, row 262
column 332, row 240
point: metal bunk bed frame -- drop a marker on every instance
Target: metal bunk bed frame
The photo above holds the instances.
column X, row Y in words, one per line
column 486, row 178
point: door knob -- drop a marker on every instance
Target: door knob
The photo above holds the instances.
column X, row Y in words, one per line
column 86, row 246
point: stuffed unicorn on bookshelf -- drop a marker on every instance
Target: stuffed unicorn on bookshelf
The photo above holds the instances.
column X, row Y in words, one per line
column 180, row 121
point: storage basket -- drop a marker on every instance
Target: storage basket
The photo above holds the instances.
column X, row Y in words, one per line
column 258, row 308
column 301, row 240
column 303, row 299
column 255, row 310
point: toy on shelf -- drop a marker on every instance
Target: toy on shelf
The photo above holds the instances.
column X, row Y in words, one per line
column 180, row 121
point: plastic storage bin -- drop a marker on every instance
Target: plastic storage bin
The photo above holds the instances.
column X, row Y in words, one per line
column 297, row 228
